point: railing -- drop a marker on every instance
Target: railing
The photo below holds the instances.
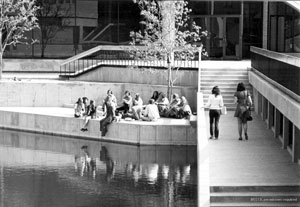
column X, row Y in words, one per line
column 279, row 67
column 113, row 55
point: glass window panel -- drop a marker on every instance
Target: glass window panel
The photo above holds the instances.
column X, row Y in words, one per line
column 200, row 7
column 227, row 7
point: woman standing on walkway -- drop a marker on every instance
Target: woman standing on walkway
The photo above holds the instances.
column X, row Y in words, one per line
column 215, row 104
column 244, row 102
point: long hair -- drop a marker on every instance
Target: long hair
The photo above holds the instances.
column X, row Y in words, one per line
column 215, row 91
column 240, row 87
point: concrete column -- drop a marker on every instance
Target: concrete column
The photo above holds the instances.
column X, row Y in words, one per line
column 265, row 25
column 296, row 144
column 259, row 104
column 277, row 123
column 255, row 100
column 264, row 108
column 285, row 134
column 270, row 115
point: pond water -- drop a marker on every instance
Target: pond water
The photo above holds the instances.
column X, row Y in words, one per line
column 39, row 170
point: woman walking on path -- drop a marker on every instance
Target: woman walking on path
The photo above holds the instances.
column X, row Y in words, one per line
column 244, row 102
column 215, row 104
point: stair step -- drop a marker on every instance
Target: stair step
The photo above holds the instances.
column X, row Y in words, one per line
column 252, row 204
column 252, row 194
column 204, row 69
column 221, row 83
column 257, row 197
column 283, row 188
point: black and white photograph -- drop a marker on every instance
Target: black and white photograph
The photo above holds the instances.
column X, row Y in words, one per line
column 149, row 103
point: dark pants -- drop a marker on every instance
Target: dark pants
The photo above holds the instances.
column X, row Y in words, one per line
column 124, row 108
column 103, row 124
column 214, row 117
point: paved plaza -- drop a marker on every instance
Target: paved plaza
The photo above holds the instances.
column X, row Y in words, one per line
column 258, row 161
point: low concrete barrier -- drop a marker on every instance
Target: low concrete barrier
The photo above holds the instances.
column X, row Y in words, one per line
column 163, row 132
column 40, row 93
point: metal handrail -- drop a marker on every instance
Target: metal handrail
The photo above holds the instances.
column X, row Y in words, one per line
column 113, row 55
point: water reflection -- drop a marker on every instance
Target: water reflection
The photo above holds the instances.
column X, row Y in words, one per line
column 38, row 170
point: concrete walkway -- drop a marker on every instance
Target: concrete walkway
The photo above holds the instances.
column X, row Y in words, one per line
column 258, row 161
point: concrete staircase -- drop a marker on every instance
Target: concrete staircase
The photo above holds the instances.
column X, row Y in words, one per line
column 226, row 75
column 229, row 196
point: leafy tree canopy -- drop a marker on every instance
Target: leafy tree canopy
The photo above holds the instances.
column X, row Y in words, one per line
column 16, row 17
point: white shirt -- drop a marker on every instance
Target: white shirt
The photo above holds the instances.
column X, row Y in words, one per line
column 152, row 112
column 215, row 102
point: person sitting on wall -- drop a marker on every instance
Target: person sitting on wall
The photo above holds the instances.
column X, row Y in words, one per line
column 113, row 97
column 85, row 101
column 172, row 110
column 101, row 109
column 91, row 114
column 78, row 108
column 137, row 106
column 155, row 95
column 184, row 109
column 162, row 102
column 150, row 113
column 137, row 102
column 109, row 112
column 127, row 103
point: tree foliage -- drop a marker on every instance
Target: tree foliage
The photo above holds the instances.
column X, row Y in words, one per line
column 167, row 34
column 163, row 35
column 16, row 18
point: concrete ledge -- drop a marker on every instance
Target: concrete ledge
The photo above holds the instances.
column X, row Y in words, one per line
column 283, row 57
column 53, row 122
column 280, row 100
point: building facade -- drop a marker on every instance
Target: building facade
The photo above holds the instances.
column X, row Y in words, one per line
column 68, row 27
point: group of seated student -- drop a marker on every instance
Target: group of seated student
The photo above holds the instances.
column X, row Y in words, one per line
column 177, row 108
column 133, row 108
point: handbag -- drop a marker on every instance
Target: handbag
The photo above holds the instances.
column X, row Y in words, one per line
column 223, row 110
column 248, row 115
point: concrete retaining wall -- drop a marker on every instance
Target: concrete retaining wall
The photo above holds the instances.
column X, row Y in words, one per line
column 31, row 65
column 57, row 93
column 135, row 132
column 139, row 76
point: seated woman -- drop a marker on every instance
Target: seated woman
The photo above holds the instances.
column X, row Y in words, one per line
column 150, row 113
column 172, row 110
column 85, row 101
column 137, row 102
column 109, row 110
column 113, row 97
column 127, row 103
column 184, row 109
column 114, row 101
column 155, row 95
column 137, row 106
column 78, row 108
column 162, row 102
column 90, row 114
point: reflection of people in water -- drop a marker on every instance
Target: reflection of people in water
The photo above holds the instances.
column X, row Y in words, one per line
column 110, row 164
column 88, row 164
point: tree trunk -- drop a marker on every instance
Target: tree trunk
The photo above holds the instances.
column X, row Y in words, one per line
column 1, row 64
column 169, row 90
